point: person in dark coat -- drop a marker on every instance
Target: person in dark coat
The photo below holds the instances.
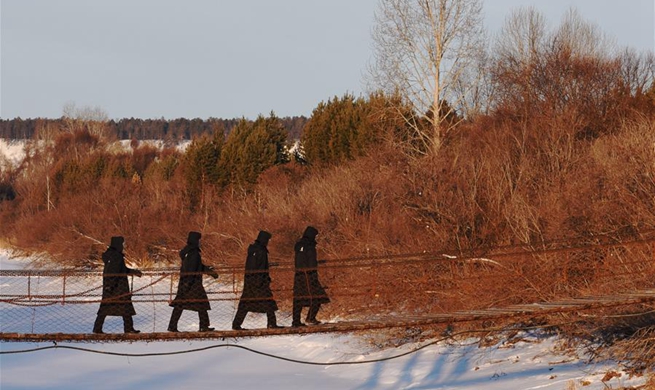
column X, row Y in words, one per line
column 307, row 289
column 191, row 293
column 257, row 295
column 116, row 294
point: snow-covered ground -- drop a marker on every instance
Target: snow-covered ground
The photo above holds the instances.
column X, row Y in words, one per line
column 316, row 361
column 14, row 150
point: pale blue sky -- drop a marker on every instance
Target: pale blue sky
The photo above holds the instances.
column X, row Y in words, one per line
column 218, row 58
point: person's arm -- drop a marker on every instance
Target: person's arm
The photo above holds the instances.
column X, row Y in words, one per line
column 207, row 269
column 128, row 270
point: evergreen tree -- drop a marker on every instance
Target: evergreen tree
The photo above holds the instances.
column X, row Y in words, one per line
column 253, row 147
column 342, row 129
column 202, row 166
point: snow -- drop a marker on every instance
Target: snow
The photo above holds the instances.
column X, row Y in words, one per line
column 530, row 362
column 181, row 146
column 12, row 150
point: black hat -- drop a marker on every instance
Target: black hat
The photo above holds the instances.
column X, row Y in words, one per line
column 263, row 237
column 310, row 232
column 194, row 238
column 117, row 243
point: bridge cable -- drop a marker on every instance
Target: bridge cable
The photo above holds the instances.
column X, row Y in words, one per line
column 291, row 360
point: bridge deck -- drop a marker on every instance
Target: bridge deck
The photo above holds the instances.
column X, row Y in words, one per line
column 514, row 311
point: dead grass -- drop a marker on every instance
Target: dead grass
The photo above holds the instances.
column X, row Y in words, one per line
column 498, row 191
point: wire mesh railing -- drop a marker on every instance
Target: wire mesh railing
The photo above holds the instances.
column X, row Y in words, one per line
column 427, row 283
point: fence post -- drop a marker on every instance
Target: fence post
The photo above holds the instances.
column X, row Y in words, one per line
column 375, row 283
column 565, row 269
column 29, row 286
column 170, row 291
column 63, row 293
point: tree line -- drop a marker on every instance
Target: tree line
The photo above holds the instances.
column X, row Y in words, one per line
column 143, row 129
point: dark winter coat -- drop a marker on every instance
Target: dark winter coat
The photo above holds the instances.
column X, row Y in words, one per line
column 306, row 286
column 191, row 293
column 257, row 295
column 116, row 294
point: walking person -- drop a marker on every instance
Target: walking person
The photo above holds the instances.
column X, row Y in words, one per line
column 307, row 289
column 191, row 294
column 116, row 294
column 257, row 295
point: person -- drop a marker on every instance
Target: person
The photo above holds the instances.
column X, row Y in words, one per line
column 116, row 294
column 307, row 289
column 257, row 295
column 191, row 294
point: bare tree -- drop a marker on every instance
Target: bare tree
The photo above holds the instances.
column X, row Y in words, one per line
column 638, row 70
column 94, row 119
column 424, row 50
column 583, row 38
column 522, row 37
column 517, row 51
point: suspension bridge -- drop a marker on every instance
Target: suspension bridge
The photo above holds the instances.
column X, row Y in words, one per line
column 499, row 285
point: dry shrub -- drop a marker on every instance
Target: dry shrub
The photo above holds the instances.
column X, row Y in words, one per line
column 499, row 193
column 624, row 335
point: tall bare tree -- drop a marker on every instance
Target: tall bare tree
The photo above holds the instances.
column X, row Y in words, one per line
column 94, row 119
column 424, row 51
column 518, row 49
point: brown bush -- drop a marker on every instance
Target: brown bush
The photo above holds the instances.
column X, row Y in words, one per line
column 499, row 187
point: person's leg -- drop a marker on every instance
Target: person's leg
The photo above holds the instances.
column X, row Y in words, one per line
column 128, row 325
column 239, row 318
column 297, row 311
column 203, row 315
column 175, row 318
column 271, row 320
column 312, row 312
column 97, row 326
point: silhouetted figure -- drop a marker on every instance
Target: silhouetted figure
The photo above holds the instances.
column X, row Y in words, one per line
column 257, row 295
column 191, row 293
column 307, row 290
column 116, row 294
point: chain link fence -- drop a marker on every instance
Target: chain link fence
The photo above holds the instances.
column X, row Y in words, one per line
column 66, row 301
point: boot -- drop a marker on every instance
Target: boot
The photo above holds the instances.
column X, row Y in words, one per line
column 311, row 314
column 238, row 318
column 128, row 325
column 175, row 317
column 272, row 321
column 297, row 311
column 97, row 325
column 204, row 321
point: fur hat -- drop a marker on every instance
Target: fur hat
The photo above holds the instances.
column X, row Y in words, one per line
column 310, row 232
column 194, row 238
column 117, row 243
column 263, row 237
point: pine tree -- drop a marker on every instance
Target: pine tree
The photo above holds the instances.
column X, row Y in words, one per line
column 344, row 128
column 253, row 147
column 203, row 167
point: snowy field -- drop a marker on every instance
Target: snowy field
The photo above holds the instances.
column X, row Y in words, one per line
column 13, row 151
column 319, row 361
